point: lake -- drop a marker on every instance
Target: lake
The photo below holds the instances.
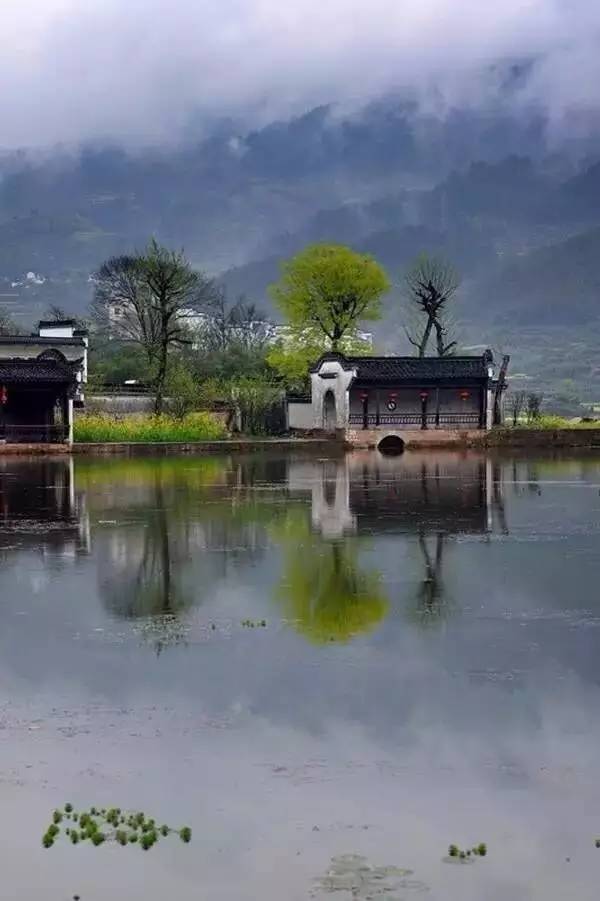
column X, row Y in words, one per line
column 329, row 668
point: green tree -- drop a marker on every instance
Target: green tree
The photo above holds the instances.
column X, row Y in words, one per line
column 292, row 356
column 182, row 389
column 148, row 298
column 331, row 288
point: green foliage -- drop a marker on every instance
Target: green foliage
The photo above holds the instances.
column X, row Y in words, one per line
column 144, row 428
column 255, row 400
column 100, row 826
column 182, row 390
column 115, row 362
column 457, row 853
column 549, row 421
column 331, row 288
column 291, row 357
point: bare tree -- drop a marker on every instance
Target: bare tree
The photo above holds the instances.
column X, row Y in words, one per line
column 534, row 406
column 7, row 323
column 55, row 313
column 240, row 324
column 148, row 298
column 515, row 404
column 430, row 285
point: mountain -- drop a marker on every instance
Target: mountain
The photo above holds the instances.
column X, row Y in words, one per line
column 518, row 217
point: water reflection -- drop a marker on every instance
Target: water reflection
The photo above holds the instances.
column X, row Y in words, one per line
column 325, row 591
column 429, row 501
column 42, row 508
column 392, row 742
column 167, row 533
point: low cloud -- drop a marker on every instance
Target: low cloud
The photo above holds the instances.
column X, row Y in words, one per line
column 142, row 71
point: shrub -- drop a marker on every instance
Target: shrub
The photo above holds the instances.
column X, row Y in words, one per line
column 145, row 428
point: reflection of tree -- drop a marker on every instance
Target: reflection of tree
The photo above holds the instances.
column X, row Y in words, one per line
column 146, row 581
column 170, row 520
column 324, row 590
column 431, row 606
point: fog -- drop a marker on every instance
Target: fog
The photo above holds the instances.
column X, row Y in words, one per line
column 148, row 71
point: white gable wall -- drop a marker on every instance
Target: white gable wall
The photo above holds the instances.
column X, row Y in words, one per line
column 338, row 380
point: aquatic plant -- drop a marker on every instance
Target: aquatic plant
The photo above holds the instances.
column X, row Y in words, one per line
column 112, row 824
column 455, row 852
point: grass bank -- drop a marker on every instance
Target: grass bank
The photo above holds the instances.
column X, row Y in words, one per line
column 549, row 421
column 99, row 427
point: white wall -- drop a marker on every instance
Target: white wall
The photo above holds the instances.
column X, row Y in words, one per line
column 337, row 380
column 300, row 414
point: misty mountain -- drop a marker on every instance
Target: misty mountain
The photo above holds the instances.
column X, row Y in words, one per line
column 480, row 187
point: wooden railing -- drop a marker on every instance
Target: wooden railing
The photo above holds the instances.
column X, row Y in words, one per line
column 33, row 434
column 415, row 420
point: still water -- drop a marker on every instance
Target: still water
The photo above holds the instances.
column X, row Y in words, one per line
column 428, row 672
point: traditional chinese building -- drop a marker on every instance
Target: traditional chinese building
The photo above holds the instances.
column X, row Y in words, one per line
column 42, row 377
column 392, row 394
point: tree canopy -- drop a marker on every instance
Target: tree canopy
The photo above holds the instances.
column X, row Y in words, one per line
column 331, row 287
column 147, row 298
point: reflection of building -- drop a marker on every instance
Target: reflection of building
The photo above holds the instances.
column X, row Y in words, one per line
column 387, row 394
column 370, row 493
column 41, row 508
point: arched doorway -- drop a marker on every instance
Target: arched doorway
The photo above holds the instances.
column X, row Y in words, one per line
column 391, row 445
column 329, row 412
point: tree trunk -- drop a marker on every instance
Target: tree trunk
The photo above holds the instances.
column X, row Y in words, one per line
column 161, row 376
column 425, row 338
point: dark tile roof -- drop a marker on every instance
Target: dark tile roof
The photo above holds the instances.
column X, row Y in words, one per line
column 384, row 369
column 35, row 339
column 35, row 371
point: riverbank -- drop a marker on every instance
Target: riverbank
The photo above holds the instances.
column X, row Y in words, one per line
column 520, row 439
column 166, row 448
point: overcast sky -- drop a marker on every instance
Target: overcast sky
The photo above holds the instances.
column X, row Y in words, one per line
column 141, row 70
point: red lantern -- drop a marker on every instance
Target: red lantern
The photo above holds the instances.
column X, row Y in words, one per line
column 464, row 395
column 3, row 395
column 364, row 395
column 424, row 395
column 392, row 395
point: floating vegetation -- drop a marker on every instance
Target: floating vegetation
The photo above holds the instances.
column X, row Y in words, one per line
column 254, row 624
column 598, row 842
column 355, row 875
column 111, row 825
column 456, row 853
